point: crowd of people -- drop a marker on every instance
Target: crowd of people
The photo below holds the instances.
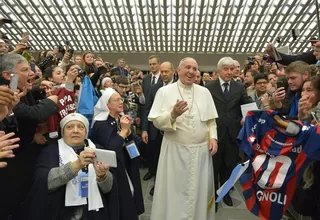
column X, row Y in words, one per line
column 182, row 122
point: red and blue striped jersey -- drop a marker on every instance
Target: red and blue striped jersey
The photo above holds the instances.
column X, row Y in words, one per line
column 277, row 161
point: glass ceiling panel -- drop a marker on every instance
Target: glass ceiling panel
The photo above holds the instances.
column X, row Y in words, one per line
column 135, row 24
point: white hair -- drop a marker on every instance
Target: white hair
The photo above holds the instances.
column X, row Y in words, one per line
column 225, row 61
column 186, row 58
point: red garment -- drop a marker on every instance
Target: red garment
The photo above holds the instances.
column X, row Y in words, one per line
column 66, row 105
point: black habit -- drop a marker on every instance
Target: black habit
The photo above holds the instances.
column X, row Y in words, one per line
column 105, row 133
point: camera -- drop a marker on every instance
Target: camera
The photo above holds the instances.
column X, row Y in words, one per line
column 81, row 73
column 109, row 65
column 251, row 60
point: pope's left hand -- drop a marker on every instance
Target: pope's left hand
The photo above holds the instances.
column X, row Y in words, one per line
column 101, row 170
column 213, row 146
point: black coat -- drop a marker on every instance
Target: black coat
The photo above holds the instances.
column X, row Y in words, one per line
column 229, row 111
column 17, row 176
column 41, row 204
column 105, row 134
column 148, row 125
column 307, row 57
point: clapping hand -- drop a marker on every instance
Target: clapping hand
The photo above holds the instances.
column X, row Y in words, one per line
column 179, row 108
column 7, row 144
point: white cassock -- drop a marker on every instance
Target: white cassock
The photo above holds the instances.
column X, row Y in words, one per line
column 184, row 183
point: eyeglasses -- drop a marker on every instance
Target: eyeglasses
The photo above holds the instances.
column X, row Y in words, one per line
column 260, row 83
column 117, row 100
column 124, row 87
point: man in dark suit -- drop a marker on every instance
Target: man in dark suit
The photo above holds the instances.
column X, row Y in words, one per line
column 152, row 136
column 228, row 96
column 147, row 82
column 120, row 69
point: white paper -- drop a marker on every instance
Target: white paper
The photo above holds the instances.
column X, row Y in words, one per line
column 248, row 107
column 106, row 156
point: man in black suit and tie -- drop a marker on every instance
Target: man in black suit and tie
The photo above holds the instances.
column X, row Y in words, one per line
column 152, row 135
column 147, row 82
column 228, row 96
column 120, row 69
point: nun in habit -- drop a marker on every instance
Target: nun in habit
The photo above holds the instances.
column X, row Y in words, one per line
column 55, row 194
column 111, row 130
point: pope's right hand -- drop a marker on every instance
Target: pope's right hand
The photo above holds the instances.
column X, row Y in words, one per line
column 144, row 137
column 179, row 108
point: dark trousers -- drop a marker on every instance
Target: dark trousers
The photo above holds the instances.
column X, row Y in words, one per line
column 225, row 160
column 154, row 147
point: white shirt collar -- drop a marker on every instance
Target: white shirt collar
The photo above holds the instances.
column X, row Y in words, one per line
column 221, row 81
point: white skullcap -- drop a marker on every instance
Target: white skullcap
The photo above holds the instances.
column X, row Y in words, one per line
column 104, row 80
column 2, row 41
column 74, row 117
column 101, row 111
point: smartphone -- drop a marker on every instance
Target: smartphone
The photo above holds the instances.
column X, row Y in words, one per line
column 5, row 21
column 14, row 82
column 280, row 84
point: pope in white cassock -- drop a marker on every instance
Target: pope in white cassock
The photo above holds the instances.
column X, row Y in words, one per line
column 186, row 113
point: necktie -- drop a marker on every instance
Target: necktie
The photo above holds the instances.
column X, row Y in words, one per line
column 153, row 80
column 121, row 71
column 226, row 90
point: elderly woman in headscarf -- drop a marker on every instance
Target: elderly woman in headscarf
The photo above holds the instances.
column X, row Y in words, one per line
column 111, row 129
column 68, row 185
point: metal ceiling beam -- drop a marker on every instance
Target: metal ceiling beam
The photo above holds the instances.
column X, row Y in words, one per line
column 154, row 23
column 22, row 22
column 111, row 30
column 274, row 18
column 287, row 37
column 247, row 23
column 182, row 34
column 98, row 22
column 232, row 33
column 165, row 24
column 122, row 35
column 304, row 46
column 134, row 43
column 67, row 25
column 188, row 24
column 77, row 24
column 144, row 30
column 237, row 20
column 224, row 22
column 257, row 28
column 199, row 45
column 215, row 27
column 162, row 28
column 225, row 36
column 86, row 23
column 107, row 43
column 177, row 25
column 305, row 28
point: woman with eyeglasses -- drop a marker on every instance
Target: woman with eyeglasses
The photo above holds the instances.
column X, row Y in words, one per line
column 111, row 129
